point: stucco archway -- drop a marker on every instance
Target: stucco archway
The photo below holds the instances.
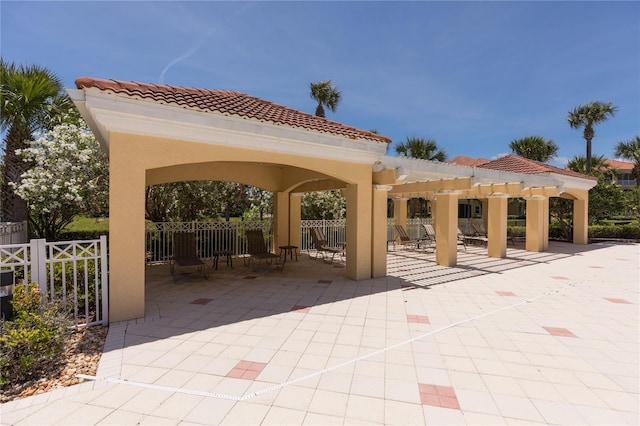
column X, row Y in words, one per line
column 157, row 134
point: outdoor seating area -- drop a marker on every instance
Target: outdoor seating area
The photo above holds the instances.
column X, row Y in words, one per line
column 257, row 251
column 322, row 247
column 544, row 338
column 407, row 242
column 185, row 254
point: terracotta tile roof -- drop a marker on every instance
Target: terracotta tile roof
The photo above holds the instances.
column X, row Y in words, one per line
column 462, row 160
column 227, row 102
column 620, row 165
column 517, row 164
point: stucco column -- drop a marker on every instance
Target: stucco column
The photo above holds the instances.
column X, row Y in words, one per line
column 485, row 212
column 295, row 219
column 280, row 220
column 400, row 211
column 446, row 227
column 126, row 231
column 535, row 224
column 358, row 231
column 379, row 231
column 545, row 224
column 581, row 221
column 497, row 225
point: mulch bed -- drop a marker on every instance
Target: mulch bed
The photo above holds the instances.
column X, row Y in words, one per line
column 81, row 356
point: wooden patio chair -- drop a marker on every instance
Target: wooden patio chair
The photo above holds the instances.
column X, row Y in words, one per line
column 321, row 244
column 431, row 234
column 406, row 240
column 257, row 250
column 185, row 254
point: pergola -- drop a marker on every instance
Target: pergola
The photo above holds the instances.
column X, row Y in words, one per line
column 158, row 134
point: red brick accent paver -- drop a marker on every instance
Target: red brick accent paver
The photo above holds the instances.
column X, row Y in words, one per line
column 438, row 396
column 614, row 300
column 558, row 331
column 300, row 308
column 505, row 293
column 247, row 370
column 418, row 319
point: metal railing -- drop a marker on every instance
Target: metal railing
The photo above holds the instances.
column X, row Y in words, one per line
column 218, row 236
column 73, row 272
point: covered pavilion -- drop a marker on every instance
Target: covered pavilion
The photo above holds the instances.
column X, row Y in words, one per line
column 158, row 134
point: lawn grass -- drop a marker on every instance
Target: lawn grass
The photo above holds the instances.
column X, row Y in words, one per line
column 88, row 224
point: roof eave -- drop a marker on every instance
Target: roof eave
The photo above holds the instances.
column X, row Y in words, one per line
column 108, row 112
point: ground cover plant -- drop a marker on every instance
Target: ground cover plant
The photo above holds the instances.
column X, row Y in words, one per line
column 33, row 337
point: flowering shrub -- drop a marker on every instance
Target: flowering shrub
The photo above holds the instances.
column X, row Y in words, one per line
column 69, row 176
column 323, row 205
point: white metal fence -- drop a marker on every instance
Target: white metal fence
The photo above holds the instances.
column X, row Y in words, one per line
column 13, row 232
column 217, row 236
column 73, row 272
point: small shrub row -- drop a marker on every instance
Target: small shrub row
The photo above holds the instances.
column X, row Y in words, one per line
column 625, row 232
column 630, row 231
column 81, row 235
column 34, row 338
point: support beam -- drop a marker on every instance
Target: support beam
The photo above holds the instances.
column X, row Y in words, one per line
column 430, row 186
column 358, row 231
column 535, row 223
column 126, row 220
column 446, row 227
column 379, row 231
column 295, row 219
column 385, row 177
column 400, row 211
column 545, row 225
column 497, row 225
column 280, row 220
column 581, row 221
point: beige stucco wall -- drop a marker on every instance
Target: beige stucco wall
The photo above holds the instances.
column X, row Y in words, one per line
column 137, row 161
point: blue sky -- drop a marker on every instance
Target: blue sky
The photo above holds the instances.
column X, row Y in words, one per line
column 471, row 75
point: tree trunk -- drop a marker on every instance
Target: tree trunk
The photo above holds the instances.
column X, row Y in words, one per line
column 588, row 165
column 14, row 208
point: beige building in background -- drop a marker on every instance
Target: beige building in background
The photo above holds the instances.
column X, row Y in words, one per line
column 158, row 134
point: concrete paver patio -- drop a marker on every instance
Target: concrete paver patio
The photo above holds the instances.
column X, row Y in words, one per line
column 546, row 338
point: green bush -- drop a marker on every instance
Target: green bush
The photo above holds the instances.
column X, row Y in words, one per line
column 516, row 231
column 34, row 338
column 67, row 235
column 630, row 231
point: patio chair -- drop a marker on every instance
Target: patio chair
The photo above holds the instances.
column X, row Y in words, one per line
column 475, row 235
column 406, row 240
column 321, row 244
column 257, row 250
column 431, row 234
column 185, row 254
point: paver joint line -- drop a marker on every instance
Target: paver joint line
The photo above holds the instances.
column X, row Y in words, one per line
column 335, row 367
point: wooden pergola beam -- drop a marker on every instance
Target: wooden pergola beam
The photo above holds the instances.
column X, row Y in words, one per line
column 431, row 186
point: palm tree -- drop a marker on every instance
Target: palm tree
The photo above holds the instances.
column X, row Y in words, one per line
column 630, row 150
column 326, row 95
column 534, row 148
column 30, row 98
column 599, row 166
column 424, row 149
column 588, row 115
